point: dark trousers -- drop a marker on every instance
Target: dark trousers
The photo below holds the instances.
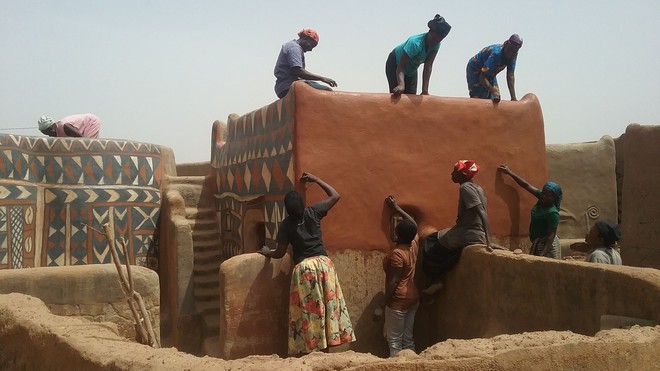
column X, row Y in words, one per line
column 390, row 72
column 436, row 258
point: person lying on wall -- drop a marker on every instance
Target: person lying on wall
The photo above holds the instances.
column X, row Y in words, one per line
column 402, row 63
column 401, row 294
column 545, row 216
column 599, row 244
column 441, row 250
column 318, row 317
column 85, row 125
column 290, row 65
column 482, row 69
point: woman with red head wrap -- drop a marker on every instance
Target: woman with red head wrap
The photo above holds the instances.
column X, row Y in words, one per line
column 441, row 250
column 290, row 65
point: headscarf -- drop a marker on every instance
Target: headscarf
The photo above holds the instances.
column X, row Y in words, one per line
column 45, row 122
column 439, row 25
column 609, row 232
column 556, row 189
column 468, row 168
column 515, row 40
column 312, row 34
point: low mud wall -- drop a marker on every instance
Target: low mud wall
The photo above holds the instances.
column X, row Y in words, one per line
column 31, row 338
column 193, row 169
column 91, row 292
column 487, row 294
column 254, row 293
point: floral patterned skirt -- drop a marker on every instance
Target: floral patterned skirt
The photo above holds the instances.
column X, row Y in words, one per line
column 318, row 317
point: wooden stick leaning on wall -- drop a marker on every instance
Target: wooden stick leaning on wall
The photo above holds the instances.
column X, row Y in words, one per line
column 145, row 334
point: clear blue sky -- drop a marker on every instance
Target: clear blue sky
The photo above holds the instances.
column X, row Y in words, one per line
column 162, row 71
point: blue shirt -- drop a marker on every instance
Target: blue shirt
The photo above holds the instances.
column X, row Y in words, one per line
column 490, row 60
column 291, row 55
column 415, row 47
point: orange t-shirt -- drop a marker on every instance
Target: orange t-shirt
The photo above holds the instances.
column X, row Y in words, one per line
column 403, row 256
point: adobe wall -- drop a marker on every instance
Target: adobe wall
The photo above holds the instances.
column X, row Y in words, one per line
column 369, row 146
column 502, row 293
column 586, row 173
column 193, row 169
column 53, row 189
column 91, row 292
column 487, row 294
column 31, row 338
column 640, row 220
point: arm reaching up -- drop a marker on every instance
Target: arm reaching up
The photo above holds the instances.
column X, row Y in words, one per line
column 333, row 195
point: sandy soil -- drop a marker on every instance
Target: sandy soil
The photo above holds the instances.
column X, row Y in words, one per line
column 33, row 338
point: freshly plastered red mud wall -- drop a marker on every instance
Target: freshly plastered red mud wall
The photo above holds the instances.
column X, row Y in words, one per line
column 369, row 146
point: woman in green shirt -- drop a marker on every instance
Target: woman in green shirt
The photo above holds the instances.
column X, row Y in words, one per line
column 403, row 62
column 545, row 216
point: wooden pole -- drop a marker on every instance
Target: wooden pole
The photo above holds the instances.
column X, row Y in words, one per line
column 144, row 334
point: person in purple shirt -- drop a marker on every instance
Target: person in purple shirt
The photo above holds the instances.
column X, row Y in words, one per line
column 482, row 69
column 290, row 65
column 85, row 125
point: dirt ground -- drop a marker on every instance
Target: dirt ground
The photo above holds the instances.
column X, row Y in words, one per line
column 33, row 338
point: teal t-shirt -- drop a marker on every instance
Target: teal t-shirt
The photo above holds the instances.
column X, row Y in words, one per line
column 542, row 219
column 415, row 47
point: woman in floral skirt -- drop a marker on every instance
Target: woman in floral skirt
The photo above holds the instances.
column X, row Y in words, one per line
column 318, row 318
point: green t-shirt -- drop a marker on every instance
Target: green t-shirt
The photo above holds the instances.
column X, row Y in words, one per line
column 542, row 219
column 415, row 47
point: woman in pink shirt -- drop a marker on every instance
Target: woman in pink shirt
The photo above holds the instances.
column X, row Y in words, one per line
column 84, row 125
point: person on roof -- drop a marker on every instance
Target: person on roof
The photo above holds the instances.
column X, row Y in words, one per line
column 84, row 125
column 403, row 62
column 483, row 68
column 290, row 65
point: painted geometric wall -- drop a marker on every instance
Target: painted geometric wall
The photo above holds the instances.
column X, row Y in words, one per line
column 56, row 194
column 255, row 160
column 369, row 146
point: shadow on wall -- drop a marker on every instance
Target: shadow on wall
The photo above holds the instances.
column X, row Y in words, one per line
column 509, row 192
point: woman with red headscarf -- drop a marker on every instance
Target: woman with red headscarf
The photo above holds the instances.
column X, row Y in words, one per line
column 441, row 250
column 290, row 65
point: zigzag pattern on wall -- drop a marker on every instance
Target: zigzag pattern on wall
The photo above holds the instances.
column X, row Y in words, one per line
column 67, row 145
column 256, row 160
column 93, row 162
column 17, row 235
column 68, row 240
column 257, row 157
column 234, row 210
column 56, row 194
